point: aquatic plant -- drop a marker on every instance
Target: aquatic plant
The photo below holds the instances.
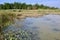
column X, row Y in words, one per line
column 5, row 20
column 20, row 35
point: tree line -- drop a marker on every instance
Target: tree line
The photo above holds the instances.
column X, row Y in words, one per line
column 17, row 5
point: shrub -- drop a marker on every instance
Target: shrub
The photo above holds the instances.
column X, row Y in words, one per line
column 19, row 11
column 14, row 10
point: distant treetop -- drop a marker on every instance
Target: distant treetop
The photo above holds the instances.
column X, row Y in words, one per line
column 17, row 5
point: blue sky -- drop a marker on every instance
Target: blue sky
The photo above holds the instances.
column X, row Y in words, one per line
column 52, row 3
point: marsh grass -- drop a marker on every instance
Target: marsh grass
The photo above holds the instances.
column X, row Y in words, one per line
column 6, row 19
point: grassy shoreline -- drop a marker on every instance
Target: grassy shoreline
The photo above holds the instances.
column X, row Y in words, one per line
column 31, row 13
column 5, row 20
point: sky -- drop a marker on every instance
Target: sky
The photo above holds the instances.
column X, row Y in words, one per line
column 51, row 3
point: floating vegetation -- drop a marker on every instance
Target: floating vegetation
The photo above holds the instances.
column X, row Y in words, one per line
column 20, row 35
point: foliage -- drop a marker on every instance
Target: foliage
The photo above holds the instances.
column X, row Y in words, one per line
column 16, row 5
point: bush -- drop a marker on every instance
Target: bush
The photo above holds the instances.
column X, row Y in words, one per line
column 19, row 11
column 6, row 18
column 14, row 10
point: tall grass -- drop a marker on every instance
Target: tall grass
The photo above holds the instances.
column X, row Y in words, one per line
column 6, row 17
column 5, row 20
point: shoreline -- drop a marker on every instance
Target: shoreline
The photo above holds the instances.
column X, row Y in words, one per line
column 31, row 13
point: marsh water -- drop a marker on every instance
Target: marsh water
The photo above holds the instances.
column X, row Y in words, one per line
column 46, row 27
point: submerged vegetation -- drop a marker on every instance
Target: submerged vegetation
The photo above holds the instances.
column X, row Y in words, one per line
column 20, row 35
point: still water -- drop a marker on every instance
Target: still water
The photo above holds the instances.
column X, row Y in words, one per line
column 46, row 27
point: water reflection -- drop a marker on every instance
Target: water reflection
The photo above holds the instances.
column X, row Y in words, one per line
column 46, row 27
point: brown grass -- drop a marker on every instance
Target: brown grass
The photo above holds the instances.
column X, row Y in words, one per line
column 31, row 13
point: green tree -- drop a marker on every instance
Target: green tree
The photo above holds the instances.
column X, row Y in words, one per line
column 23, row 6
column 29, row 6
column 17, row 5
column 36, row 6
column 7, row 6
column 1, row 6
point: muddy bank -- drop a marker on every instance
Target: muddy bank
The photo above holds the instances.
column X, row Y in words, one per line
column 28, row 15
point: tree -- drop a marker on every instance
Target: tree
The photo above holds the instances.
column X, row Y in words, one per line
column 7, row 6
column 36, row 6
column 1, row 6
column 29, row 6
column 24, row 6
column 17, row 5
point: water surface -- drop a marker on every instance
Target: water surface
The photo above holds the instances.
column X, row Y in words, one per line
column 46, row 27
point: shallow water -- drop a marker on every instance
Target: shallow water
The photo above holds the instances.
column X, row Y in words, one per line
column 44, row 28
